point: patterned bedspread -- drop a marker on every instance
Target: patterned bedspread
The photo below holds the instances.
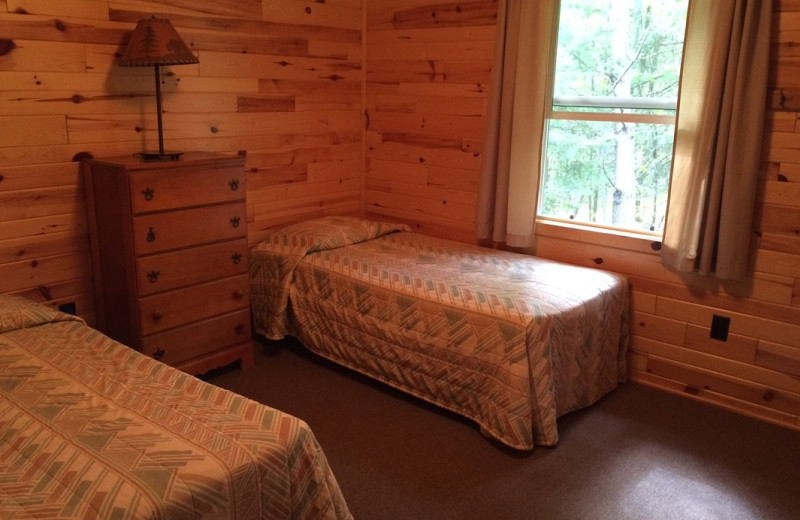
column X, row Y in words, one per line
column 508, row 340
column 92, row 429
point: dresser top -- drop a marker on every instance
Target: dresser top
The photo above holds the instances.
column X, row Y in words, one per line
column 135, row 162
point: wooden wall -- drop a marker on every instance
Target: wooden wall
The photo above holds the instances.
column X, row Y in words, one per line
column 428, row 72
column 279, row 80
column 378, row 106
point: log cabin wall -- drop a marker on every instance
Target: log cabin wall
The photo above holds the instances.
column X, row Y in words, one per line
column 428, row 72
column 427, row 80
column 279, row 80
column 288, row 82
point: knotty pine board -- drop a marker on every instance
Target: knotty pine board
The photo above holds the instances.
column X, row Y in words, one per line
column 345, row 14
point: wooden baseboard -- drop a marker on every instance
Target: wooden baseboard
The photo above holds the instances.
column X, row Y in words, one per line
column 715, row 399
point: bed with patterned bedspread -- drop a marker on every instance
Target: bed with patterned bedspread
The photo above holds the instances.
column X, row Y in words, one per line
column 508, row 340
column 90, row 428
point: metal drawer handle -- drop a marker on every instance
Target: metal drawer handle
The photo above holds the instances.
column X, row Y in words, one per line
column 235, row 221
column 153, row 276
column 158, row 354
column 236, row 257
column 148, row 193
column 151, row 235
column 234, row 184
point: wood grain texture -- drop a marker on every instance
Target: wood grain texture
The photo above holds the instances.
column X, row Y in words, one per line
column 373, row 107
column 275, row 83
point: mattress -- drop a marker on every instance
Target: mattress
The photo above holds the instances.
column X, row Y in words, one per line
column 508, row 340
column 90, row 428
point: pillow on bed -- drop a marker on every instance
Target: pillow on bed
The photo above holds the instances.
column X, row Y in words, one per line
column 330, row 232
column 275, row 258
column 19, row 313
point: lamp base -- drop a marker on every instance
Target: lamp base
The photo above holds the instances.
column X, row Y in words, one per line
column 159, row 156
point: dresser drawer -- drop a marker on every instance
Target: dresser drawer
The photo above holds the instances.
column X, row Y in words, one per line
column 178, row 345
column 157, row 232
column 166, row 271
column 191, row 304
column 159, row 190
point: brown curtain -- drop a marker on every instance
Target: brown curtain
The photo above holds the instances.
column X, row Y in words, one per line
column 519, row 101
column 718, row 137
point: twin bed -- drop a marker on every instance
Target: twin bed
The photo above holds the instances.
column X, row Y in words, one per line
column 508, row 340
column 90, row 428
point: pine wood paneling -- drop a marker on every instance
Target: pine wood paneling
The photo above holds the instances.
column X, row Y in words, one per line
column 659, row 328
column 741, row 389
column 35, row 56
column 41, row 29
column 737, row 347
column 275, row 82
column 32, row 228
column 643, row 302
column 781, row 358
column 331, row 13
column 42, row 272
column 38, row 103
column 425, row 13
column 374, row 107
column 716, row 298
column 426, row 72
column 789, row 172
column 781, row 193
column 457, row 49
column 26, row 204
column 38, row 176
column 695, row 362
column 245, row 9
column 90, row 9
column 43, row 130
column 404, row 150
column 31, row 248
column 295, row 68
column 743, row 324
column 778, row 263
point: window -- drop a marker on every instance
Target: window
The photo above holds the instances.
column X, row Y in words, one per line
column 609, row 135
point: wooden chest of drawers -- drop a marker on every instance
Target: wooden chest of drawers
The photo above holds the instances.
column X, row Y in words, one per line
column 169, row 255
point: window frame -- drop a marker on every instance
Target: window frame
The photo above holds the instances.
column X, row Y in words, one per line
column 607, row 102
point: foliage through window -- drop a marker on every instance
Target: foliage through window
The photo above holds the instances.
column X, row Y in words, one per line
column 609, row 136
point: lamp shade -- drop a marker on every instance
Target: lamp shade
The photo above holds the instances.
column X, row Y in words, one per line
column 156, row 42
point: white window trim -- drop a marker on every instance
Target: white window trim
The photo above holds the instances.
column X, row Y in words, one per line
column 614, row 102
column 615, row 117
column 661, row 103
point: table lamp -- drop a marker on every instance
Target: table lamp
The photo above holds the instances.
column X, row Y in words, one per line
column 156, row 43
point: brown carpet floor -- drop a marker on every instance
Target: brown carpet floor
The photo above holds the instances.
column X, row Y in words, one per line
column 639, row 453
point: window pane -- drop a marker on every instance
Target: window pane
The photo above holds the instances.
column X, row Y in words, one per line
column 622, row 48
column 609, row 174
column 621, row 58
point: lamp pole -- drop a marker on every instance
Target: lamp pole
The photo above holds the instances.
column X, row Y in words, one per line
column 158, row 110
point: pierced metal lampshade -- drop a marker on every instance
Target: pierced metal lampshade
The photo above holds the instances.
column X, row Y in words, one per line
column 155, row 42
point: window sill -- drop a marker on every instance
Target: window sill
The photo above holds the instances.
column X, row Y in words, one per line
column 640, row 242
